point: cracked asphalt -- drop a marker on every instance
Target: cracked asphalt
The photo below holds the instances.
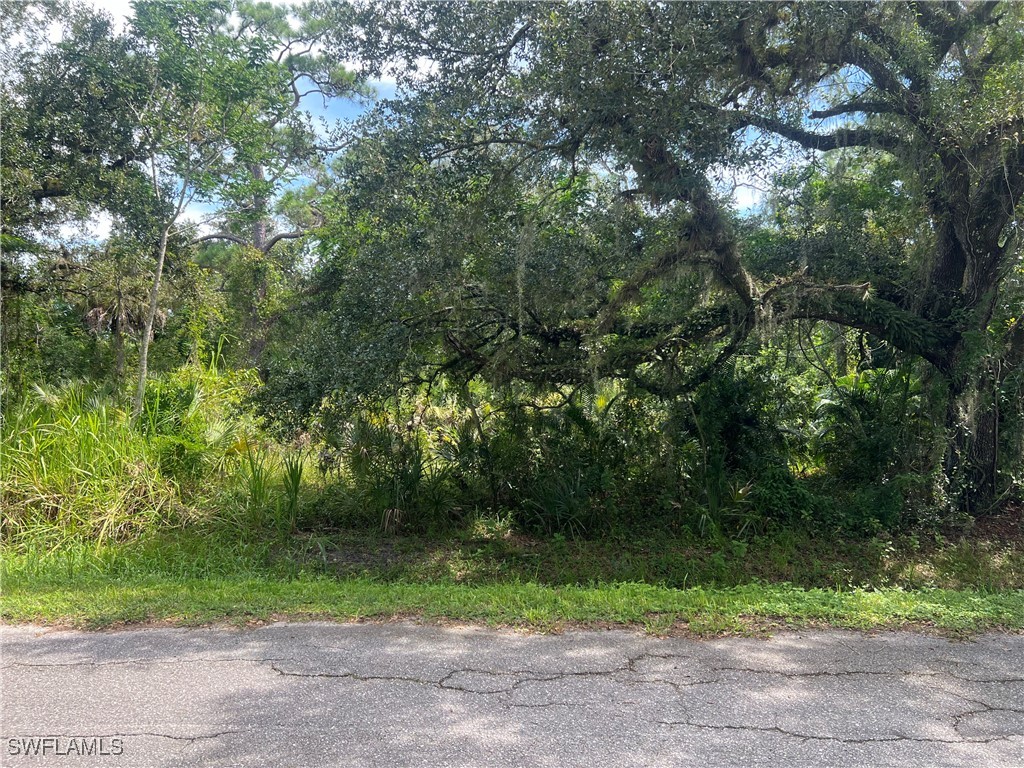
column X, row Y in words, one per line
column 402, row 694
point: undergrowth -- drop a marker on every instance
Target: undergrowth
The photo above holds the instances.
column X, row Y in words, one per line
column 77, row 469
column 169, row 516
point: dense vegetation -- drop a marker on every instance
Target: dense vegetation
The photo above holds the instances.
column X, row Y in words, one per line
column 520, row 301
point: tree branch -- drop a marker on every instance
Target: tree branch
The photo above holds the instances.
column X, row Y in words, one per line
column 854, row 306
column 868, row 107
column 220, row 236
column 822, row 142
column 242, row 241
column 283, row 236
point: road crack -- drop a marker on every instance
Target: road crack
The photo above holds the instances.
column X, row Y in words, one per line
column 137, row 662
column 838, row 739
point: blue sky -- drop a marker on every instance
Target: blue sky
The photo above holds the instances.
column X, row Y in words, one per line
column 744, row 188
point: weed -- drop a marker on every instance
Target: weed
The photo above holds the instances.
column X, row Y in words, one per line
column 293, row 466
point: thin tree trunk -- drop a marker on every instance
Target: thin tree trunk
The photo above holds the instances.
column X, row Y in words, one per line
column 147, row 332
column 118, row 351
column 118, row 329
column 972, row 459
column 254, row 328
column 839, row 348
column 485, row 449
column 259, row 226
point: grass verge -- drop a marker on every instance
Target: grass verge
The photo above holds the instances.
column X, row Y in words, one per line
column 704, row 611
column 196, row 581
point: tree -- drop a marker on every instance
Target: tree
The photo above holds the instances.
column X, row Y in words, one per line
column 213, row 81
column 664, row 96
column 256, row 174
column 69, row 137
column 69, row 151
column 192, row 102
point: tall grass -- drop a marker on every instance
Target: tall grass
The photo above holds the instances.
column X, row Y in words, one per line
column 74, row 467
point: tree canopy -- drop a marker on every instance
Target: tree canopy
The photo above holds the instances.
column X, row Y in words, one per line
column 543, row 212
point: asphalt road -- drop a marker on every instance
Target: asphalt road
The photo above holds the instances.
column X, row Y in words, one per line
column 308, row 695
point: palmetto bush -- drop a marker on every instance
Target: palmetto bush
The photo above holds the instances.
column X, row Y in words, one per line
column 389, row 472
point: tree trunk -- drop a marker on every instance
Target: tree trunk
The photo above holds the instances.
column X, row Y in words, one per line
column 839, row 349
column 118, row 330
column 147, row 332
column 253, row 325
column 118, row 351
column 974, row 423
column 259, row 204
column 971, row 464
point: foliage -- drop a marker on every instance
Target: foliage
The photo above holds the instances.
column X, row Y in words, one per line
column 74, row 465
column 629, row 112
column 76, row 468
column 519, row 291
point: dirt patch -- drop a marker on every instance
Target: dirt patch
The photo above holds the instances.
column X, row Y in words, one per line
column 1004, row 527
column 357, row 558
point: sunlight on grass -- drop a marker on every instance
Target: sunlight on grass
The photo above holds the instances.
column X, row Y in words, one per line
column 102, row 601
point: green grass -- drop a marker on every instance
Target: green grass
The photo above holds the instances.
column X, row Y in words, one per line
column 194, row 580
column 103, row 603
column 681, row 560
column 72, row 463
column 74, row 467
